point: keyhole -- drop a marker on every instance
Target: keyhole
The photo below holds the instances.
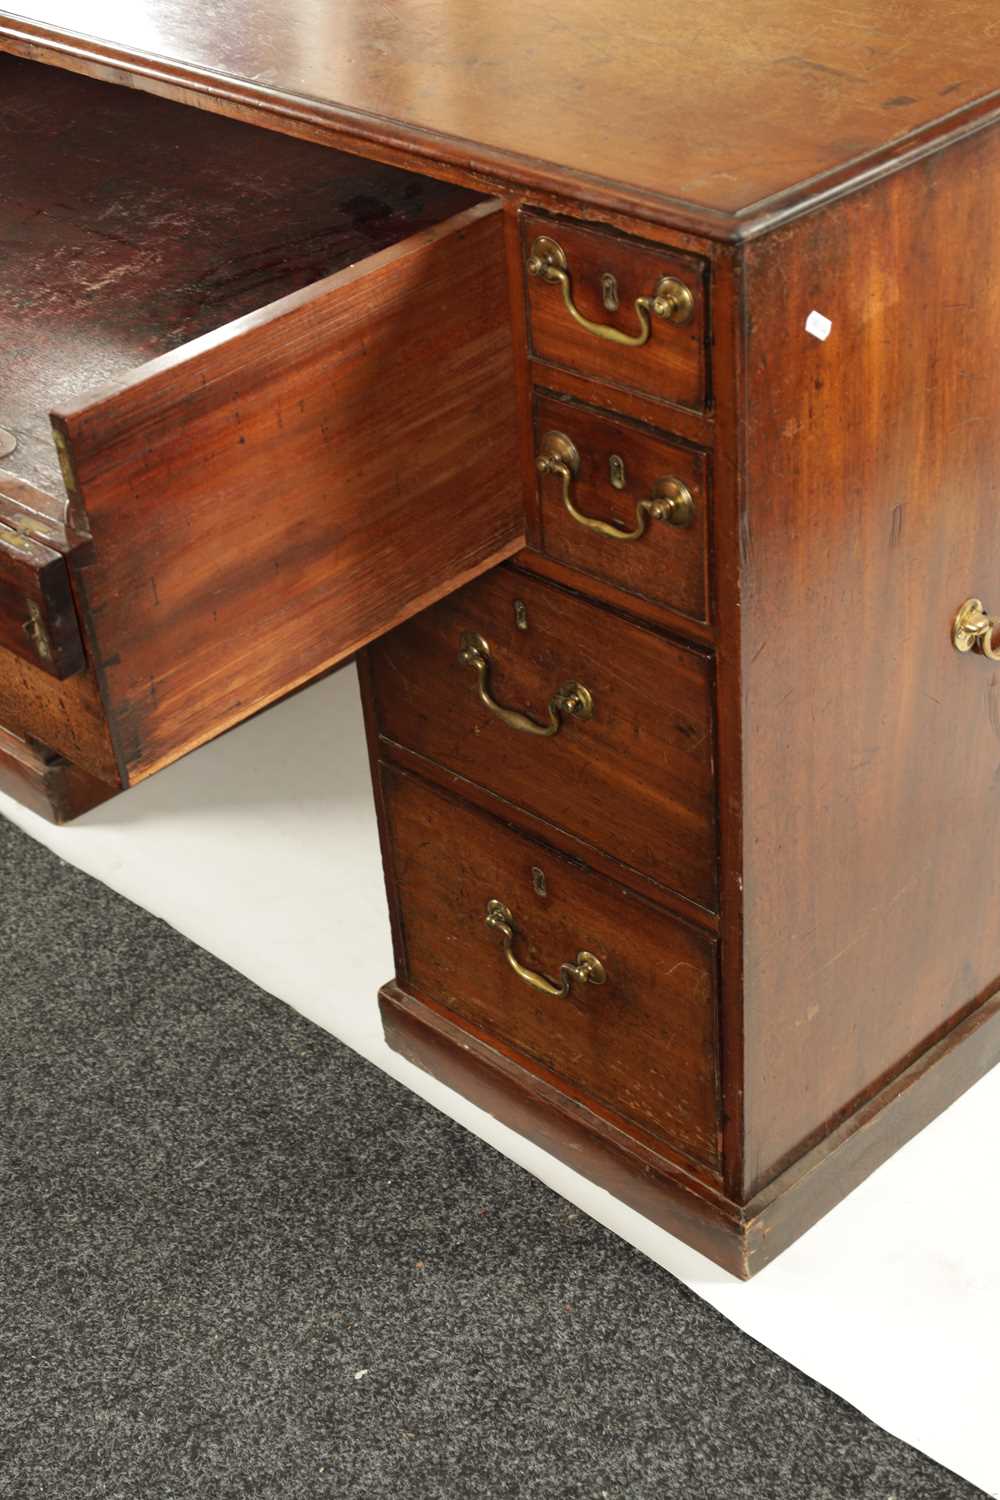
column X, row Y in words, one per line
column 538, row 882
column 609, row 291
column 520, row 615
column 616, row 471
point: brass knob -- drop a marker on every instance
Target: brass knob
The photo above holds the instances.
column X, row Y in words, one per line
column 974, row 630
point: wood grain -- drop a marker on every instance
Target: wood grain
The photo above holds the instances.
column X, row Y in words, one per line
column 709, row 115
column 37, row 618
column 635, row 780
column 45, row 782
column 131, row 227
column 67, row 715
column 668, row 564
column 670, row 366
column 872, row 748
column 644, row 1042
column 265, row 500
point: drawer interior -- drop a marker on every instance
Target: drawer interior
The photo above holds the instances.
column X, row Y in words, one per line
column 131, row 225
column 271, row 387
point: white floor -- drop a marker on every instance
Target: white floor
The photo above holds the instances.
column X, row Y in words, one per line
column 263, row 849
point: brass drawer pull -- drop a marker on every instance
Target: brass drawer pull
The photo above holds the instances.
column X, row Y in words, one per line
column 670, row 501
column 573, row 700
column 671, row 299
column 974, row 629
column 586, row 970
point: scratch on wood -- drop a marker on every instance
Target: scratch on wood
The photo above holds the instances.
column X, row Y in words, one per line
column 897, row 526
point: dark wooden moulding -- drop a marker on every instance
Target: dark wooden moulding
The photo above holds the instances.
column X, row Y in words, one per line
column 849, row 488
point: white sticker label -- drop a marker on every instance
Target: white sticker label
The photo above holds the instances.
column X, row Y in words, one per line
column 818, row 326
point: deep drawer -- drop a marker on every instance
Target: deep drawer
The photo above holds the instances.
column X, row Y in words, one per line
column 634, row 776
column 575, row 275
column 642, row 1042
column 283, row 404
column 623, row 504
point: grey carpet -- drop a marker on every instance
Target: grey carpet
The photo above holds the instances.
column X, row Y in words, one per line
column 238, row 1261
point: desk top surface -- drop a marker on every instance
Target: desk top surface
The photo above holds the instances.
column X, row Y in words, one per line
column 718, row 115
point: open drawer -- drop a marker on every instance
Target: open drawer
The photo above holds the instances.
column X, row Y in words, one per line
column 282, row 403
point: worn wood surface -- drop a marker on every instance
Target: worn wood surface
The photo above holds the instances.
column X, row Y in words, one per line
column 667, row 564
column 671, row 366
column 643, row 1043
column 871, row 747
column 131, row 227
column 66, row 715
column 265, row 500
column 46, row 782
column 37, row 618
column 716, row 114
column 636, row 779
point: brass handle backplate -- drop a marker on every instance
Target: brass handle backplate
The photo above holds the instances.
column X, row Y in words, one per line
column 586, row 970
column 669, row 501
column 671, row 300
column 974, row 630
column 571, row 701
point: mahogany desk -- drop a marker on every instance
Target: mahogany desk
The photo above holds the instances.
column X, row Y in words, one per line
column 625, row 382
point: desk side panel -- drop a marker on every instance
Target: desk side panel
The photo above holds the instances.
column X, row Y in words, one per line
column 871, row 747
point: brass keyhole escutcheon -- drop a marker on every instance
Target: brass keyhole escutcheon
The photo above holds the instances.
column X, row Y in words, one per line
column 609, row 291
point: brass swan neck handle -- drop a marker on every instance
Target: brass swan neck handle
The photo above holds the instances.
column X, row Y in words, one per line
column 586, row 970
column 571, row 701
column 670, row 299
column 670, row 501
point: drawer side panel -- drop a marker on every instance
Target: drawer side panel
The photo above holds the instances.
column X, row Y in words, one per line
column 269, row 498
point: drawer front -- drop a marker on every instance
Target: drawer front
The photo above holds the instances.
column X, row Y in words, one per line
column 623, row 504
column 37, row 618
column 602, row 275
column 642, row 1042
column 633, row 777
column 40, row 779
column 66, row 715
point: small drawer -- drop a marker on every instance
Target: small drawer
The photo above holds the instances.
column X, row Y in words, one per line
column 591, row 722
column 637, row 1026
column 37, row 618
column 283, row 403
column 623, row 504
column 617, row 310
